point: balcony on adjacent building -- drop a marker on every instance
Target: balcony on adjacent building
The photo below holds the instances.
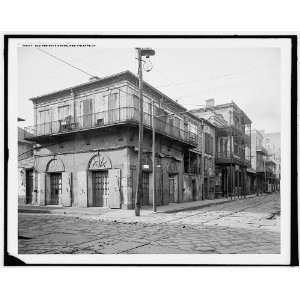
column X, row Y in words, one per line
column 262, row 150
column 231, row 158
column 113, row 117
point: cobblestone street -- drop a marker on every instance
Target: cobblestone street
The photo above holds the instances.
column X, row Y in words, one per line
column 242, row 226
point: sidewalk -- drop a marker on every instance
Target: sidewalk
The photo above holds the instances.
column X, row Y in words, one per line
column 122, row 214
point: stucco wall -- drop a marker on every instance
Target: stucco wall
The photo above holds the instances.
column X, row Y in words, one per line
column 76, row 152
column 188, row 185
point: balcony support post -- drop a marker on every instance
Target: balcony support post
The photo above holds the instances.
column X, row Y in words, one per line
column 238, row 183
column 202, row 157
column 227, row 179
column 153, row 159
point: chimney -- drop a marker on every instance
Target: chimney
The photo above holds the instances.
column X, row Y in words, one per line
column 210, row 103
column 94, row 78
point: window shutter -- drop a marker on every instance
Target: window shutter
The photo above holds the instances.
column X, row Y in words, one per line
column 66, row 188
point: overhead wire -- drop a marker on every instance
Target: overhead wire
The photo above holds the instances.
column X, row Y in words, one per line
column 65, row 62
column 91, row 75
column 160, row 72
column 77, row 68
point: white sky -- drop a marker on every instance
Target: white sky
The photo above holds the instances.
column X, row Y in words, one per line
column 250, row 76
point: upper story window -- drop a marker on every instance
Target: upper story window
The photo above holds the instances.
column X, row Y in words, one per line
column 192, row 128
column 208, row 143
column 86, row 107
column 176, row 122
column 63, row 112
column 44, row 116
column 113, row 100
column 100, row 103
column 147, row 107
column 134, row 101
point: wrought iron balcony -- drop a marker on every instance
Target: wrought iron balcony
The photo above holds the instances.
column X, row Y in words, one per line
column 119, row 116
column 231, row 158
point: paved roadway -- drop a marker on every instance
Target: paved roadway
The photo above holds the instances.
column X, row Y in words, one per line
column 243, row 226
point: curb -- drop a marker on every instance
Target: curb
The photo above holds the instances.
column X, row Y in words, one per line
column 34, row 211
column 174, row 210
column 201, row 205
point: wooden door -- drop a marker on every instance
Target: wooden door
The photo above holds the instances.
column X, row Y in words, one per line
column 29, row 186
column 194, row 190
column 99, row 183
column 206, row 192
column 55, row 188
column 173, row 188
column 145, row 199
column 87, row 111
column 114, row 108
column 44, row 123
column 159, row 188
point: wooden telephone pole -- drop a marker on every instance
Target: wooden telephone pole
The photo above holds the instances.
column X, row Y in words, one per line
column 139, row 191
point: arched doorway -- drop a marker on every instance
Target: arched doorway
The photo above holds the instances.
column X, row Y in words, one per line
column 54, row 170
column 98, row 180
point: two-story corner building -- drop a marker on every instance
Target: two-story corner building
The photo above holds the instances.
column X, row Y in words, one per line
column 258, row 161
column 87, row 151
column 25, row 168
column 232, row 144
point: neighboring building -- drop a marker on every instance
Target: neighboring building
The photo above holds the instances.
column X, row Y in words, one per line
column 25, row 167
column 271, row 183
column 273, row 146
column 209, row 160
column 232, row 155
column 258, row 161
column 88, row 139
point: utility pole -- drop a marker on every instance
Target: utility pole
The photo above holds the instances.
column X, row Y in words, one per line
column 153, row 159
column 139, row 191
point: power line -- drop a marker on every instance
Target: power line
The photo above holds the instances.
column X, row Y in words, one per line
column 65, row 62
column 245, row 71
column 91, row 75
column 198, row 80
column 81, row 70
column 166, row 77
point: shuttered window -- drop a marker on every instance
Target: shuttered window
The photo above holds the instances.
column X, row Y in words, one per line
column 208, row 143
column 63, row 112
column 44, row 116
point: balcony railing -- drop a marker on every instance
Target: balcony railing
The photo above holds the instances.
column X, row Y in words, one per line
column 107, row 118
column 227, row 157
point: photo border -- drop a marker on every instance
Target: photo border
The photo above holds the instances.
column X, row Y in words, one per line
column 10, row 260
